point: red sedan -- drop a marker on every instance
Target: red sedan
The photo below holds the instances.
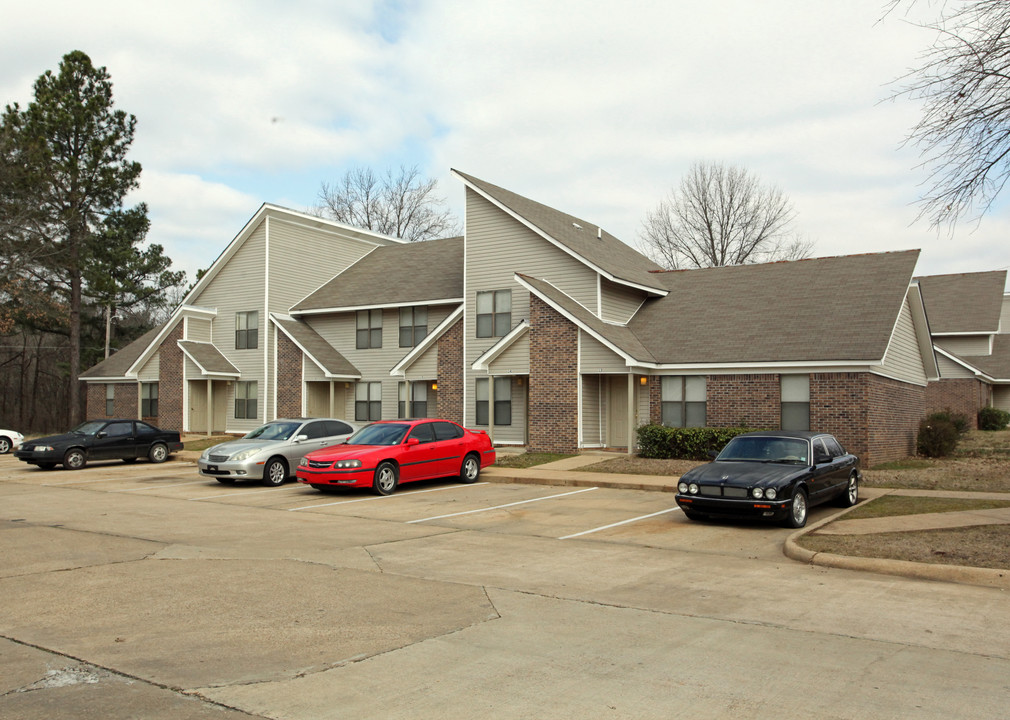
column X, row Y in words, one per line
column 387, row 453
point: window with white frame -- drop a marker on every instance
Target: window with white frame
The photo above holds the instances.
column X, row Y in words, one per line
column 494, row 313
column 245, row 399
column 110, row 399
column 795, row 402
column 413, row 325
column 367, row 401
column 247, row 330
column 368, row 329
column 415, row 397
column 149, row 399
column 502, row 401
column 684, row 400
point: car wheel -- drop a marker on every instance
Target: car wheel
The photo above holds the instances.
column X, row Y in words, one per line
column 129, row 461
column 275, row 472
column 5, row 446
column 470, row 470
column 851, row 495
column 797, row 510
column 158, row 454
column 386, row 478
column 75, row 459
column 46, row 465
column 226, row 481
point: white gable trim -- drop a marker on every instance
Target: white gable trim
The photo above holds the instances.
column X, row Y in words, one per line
column 204, row 371
column 275, row 317
column 400, row 369
column 482, row 363
column 181, row 312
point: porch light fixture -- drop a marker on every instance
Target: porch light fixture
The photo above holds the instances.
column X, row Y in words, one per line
column 434, row 386
column 643, row 380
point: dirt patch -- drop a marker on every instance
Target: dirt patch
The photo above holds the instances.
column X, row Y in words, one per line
column 634, row 465
column 986, row 546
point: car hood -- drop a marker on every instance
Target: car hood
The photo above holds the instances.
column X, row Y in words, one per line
column 53, row 439
column 343, row 450
column 236, row 446
column 743, row 474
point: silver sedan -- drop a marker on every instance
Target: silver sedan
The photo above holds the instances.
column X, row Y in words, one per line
column 271, row 452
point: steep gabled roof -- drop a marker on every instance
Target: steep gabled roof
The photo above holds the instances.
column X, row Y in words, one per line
column 995, row 366
column 586, row 241
column 414, row 273
column 117, row 364
column 964, row 302
column 209, row 358
column 324, row 355
column 824, row 309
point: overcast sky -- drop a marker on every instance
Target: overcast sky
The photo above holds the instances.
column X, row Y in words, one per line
column 593, row 108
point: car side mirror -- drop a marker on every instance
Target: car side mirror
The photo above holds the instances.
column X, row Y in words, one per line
column 413, row 441
column 301, row 438
column 101, row 434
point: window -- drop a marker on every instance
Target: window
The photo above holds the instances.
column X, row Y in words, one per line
column 684, row 400
column 413, row 325
column 149, row 399
column 447, row 431
column 795, row 402
column 418, row 404
column 423, row 432
column 369, row 329
column 120, row 429
column 335, row 427
column 494, row 313
column 502, row 401
column 245, row 400
column 110, row 398
column 368, row 401
column 247, row 330
column 313, row 430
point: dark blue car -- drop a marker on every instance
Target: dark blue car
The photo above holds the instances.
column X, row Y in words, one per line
column 118, row 439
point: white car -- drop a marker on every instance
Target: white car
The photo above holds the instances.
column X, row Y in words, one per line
column 10, row 440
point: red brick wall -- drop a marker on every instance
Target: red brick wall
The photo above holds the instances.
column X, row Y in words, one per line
column 962, row 395
column 744, row 401
column 894, row 411
column 450, row 373
column 838, row 405
column 96, row 401
column 553, row 390
column 170, row 381
column 289, row 377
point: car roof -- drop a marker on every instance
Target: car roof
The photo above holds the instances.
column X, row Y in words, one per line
column 794, row 434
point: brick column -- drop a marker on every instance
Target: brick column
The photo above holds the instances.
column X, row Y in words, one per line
column 553, row 393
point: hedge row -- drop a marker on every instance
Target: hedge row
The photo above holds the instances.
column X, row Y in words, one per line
column 659, row 441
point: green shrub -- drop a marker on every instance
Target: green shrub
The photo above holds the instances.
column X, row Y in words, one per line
column 659, row 441
column 990, row 418
column 937, row 437
column 958, row 420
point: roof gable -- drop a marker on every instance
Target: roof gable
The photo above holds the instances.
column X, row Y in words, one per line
column 963, row 303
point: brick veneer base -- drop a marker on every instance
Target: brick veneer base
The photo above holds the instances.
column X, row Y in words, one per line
column 553, row 391
column 960, row 395
column 450, row 373
column 289, row 377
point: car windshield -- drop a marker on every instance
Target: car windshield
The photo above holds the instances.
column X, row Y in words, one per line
column 90, row 427
column 765, row 449
column 274, row 431
column 379, row 434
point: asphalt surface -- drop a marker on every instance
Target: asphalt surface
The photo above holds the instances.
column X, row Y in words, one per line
column 145, row 591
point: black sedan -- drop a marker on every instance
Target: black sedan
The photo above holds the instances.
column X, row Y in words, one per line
column 774, row 475
column 118, row 439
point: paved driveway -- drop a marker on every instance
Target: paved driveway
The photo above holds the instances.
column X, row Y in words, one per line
column 147, row 591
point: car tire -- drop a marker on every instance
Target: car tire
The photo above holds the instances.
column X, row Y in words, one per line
column 129, row 461
column 226, row 481
column 75, row 459
column 469, row 471
column 851, row 495
column 275, row 472
column 158, row 453
column 386, row 478
column 5, row 445
column 797, row 517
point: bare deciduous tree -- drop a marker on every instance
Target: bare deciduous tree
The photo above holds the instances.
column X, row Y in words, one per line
column 963, row 82
column 402, row 205
column 721, row 216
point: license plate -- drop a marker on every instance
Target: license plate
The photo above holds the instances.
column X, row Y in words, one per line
column 212, row 468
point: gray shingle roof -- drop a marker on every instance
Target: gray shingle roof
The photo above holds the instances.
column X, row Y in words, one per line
column 606, row 253
column 211, row 360
column 395, row 275
column 116, row 365
column 963, row 303
column 325, row 354
column 996, row 365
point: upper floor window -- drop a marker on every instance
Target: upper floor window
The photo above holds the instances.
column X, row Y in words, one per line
column 247, row 330
column 684, row 400
column 149, row 399
column 413, row 325
column 245, row 400
column 369, row 329
column 795, row 402
column 494, row 313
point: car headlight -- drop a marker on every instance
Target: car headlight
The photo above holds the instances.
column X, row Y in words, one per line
column 344, row 464
column 244, row 455
column 304, row 462
column 770, row 494
column 757, row 493
column 693, row 488
column 682, row 488
column 44, row 448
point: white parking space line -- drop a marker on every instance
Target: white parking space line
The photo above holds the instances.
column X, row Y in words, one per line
column 618, row 524
column 85, row 482
column 499, row 507
column 250, row 492
column 158, row 487
column 386, row 497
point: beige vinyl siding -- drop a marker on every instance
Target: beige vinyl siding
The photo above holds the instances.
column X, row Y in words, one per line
column 151, row 370
column 515, row 360
column 595, row 357
column 426, row 366
column 642, row 405
column 1004, row 317
column 966, row 345
column 1001, row 397
column 198, row 329
column 302, row 258
column 951, row 369
column 310, row 371
column 619, row 303
column 592, row 432
column 903, row 359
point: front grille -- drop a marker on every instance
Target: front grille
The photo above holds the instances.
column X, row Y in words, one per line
column 720, row 491
column 734, row 492
column 319, row 464
column 219, row 458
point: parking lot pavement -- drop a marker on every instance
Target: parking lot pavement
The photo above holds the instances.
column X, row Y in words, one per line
column 457, row 601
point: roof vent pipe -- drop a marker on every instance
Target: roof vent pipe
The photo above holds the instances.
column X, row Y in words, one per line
column 599, row 233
